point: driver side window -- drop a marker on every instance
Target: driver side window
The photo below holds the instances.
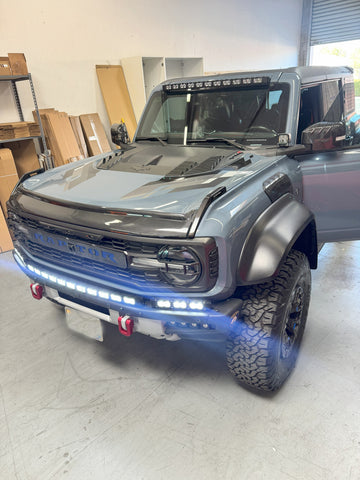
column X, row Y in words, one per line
column 320, row 103
column 309, row 109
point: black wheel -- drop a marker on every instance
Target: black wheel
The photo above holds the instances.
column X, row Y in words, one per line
column 263, row 344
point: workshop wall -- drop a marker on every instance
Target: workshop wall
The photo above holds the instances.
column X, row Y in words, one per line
column 63, row 41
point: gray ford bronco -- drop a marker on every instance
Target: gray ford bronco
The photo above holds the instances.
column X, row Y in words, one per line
column 206, row 226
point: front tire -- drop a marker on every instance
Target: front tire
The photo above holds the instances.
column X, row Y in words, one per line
column 263, row 344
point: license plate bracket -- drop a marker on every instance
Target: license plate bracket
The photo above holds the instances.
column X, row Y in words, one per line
column 84, row 324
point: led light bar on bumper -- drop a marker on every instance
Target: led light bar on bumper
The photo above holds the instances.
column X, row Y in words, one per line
column 71, row 286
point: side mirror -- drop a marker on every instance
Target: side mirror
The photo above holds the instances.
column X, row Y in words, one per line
column 119, row 134
column 324, row 136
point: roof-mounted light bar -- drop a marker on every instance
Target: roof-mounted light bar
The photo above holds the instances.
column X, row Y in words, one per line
column 216, row 84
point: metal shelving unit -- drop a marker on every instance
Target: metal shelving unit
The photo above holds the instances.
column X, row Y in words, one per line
column 13, row 79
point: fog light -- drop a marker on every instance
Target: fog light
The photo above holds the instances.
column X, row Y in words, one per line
column 196, row 305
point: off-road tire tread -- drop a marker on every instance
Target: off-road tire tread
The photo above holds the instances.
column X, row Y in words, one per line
column 252, row 341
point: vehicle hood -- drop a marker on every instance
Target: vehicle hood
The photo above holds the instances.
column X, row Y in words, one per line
column 166, row 183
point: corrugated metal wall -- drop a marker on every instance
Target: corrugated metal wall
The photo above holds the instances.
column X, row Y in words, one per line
column 335, row 21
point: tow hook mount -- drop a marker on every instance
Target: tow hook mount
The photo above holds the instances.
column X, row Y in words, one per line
column 126, row 325
column 37, row 290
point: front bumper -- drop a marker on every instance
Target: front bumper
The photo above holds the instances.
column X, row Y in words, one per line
column 169, row 316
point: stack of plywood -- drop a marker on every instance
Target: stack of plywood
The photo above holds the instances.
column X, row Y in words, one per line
column 60, row 137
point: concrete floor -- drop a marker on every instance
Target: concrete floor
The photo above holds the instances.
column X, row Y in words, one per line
column 73, row 408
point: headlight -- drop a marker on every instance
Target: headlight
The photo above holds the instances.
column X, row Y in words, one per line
column 180, row 265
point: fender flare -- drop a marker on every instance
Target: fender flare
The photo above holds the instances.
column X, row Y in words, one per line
column 284, row 223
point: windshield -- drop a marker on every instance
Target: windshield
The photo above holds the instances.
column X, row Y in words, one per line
column 252, row 116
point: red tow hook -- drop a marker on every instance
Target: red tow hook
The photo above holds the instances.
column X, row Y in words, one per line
column 36, row 290
column 126, row 325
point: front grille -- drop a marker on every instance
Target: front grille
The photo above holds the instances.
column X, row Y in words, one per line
column 133, row 247
column 85, row 265
column 118, row 244
column 121, row 275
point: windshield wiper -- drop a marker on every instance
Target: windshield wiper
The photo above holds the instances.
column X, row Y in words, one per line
column 217, row 139
column 163, row 141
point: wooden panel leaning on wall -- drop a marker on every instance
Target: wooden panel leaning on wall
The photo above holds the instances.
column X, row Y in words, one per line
column 116, row 96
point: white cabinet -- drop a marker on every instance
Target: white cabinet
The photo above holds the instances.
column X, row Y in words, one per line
column 142, row 74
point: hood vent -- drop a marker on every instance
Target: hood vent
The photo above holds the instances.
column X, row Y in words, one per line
column 181, row 169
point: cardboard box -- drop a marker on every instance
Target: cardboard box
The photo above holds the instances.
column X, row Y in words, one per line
column 8, row 176
column 18, row 63
column 5, row 239
column 94, row 133
column 5, row 66
column 25, row 156
column 34, row 129
column 79, row 135
column 14, row 130
column 60, row 137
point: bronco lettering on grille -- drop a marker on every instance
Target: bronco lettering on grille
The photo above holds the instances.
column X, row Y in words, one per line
column 89, row 251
